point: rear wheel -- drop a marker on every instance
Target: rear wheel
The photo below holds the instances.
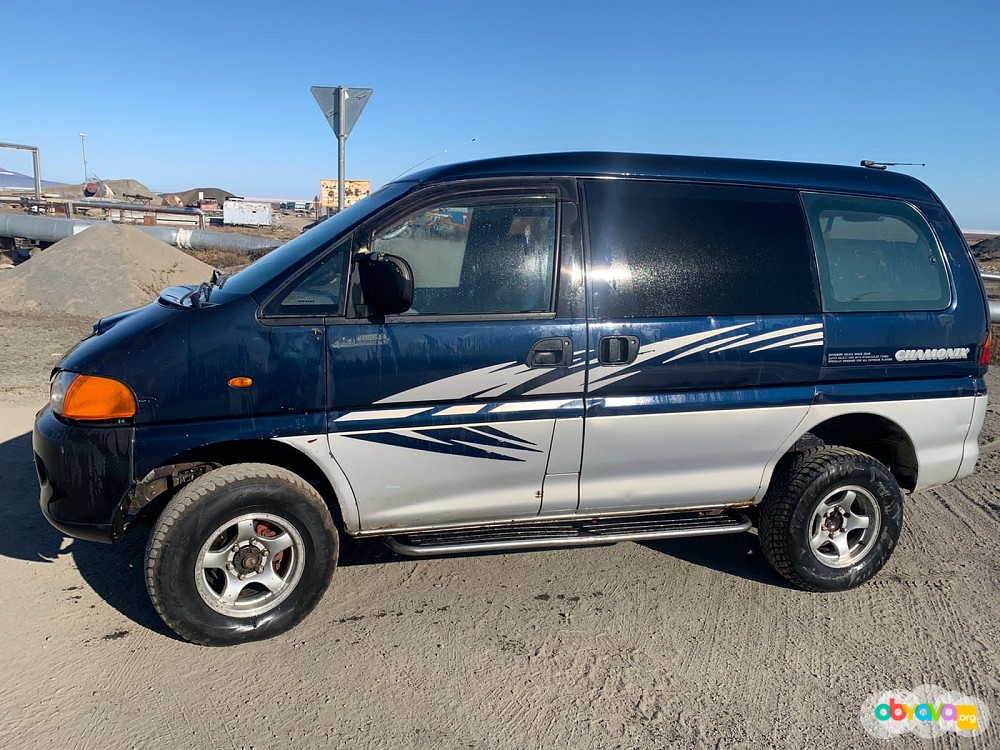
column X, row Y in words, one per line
column 242, row 553
column 830, row 519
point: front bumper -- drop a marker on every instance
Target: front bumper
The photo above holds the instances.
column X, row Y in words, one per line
column 85, row 474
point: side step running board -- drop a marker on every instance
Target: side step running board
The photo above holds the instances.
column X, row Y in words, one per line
column 567, row 533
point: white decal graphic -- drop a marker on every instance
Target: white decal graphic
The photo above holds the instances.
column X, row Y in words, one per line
column 529, row 406
column 572, row 383
column 461, row 409
column 499, row 380
column 462, row 385
column 818, row 327
column 607, row 374
column 703, row 347
column 809, row 338
column 361, row 416
column 794, row 337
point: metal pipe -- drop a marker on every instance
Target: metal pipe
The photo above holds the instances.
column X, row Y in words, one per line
column 49, row 229
column 38, row 174
column 199, row 239
column 34, row 153
column 994, row 304
column 139, row 207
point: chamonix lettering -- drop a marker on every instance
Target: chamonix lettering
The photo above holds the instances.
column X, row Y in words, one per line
column 921, row 355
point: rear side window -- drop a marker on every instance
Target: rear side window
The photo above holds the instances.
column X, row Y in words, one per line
column 875, row 255
column 675, row 250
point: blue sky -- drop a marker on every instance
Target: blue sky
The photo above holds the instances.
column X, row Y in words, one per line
column 179, row 95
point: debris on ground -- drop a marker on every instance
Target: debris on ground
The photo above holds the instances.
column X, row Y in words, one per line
column 119, row 189
column 105, row 269
column 190, row 197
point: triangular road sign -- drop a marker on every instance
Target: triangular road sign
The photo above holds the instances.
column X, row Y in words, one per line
column 341, row 106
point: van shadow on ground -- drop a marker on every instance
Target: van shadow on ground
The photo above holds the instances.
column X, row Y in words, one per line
column 737, row 555
column 113, row 571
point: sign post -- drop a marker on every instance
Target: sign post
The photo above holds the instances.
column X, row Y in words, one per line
column 341, row 106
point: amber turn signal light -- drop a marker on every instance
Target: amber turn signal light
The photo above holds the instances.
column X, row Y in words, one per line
column 241, row 382
column 93, row 398
column 984, row 358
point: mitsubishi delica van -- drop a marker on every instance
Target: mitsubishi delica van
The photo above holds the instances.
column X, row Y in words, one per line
column 533, row 352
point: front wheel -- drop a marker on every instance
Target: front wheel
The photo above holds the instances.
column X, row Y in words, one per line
column 830, row 519
column 240, row 554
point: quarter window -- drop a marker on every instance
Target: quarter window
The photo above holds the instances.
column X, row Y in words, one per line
column 490, row 257
column 681, row 250
column 319, row 291
column 875, row 255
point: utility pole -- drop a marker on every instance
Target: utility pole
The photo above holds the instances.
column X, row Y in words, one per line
column 341, row 95
column 83, row 142
column 341, row 106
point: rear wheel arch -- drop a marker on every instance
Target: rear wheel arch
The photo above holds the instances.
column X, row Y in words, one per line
column 873, row 434
column 878, row 436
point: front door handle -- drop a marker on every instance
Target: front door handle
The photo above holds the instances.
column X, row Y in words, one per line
column 617, row 350
column 556, row 351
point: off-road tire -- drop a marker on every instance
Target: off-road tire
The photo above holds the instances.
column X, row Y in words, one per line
column 188, row 522
column 796, row 490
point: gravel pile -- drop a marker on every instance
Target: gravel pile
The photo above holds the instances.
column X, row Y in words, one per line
column 105, row 269
column 987, row 250
column 119, row 187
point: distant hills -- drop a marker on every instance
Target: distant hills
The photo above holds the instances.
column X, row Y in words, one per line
column 11, row 180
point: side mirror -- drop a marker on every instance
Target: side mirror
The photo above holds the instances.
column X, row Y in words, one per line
column 386, row 283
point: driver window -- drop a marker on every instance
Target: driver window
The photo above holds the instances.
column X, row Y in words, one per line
column 490, row 257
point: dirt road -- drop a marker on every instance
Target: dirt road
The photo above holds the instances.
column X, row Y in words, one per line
column 686, row 643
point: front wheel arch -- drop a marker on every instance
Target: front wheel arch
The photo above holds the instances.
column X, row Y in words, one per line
column 306, row 457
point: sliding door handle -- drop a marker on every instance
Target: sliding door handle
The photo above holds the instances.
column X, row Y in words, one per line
column 617, row 350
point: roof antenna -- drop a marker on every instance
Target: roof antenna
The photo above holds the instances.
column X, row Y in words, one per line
column 869, row 164
column 432, row 156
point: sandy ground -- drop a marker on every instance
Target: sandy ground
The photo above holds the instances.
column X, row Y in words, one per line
column 691, row 643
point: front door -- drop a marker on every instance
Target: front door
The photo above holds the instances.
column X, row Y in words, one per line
column 461, row 409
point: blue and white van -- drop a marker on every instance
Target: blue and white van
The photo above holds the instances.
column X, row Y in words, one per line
column 525, row 352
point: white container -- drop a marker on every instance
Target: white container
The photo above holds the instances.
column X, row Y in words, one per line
column 245, row 213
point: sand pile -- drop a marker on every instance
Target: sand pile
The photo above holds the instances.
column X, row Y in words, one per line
column 105, row 269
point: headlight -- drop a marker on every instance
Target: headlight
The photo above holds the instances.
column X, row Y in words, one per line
column 89, row 397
